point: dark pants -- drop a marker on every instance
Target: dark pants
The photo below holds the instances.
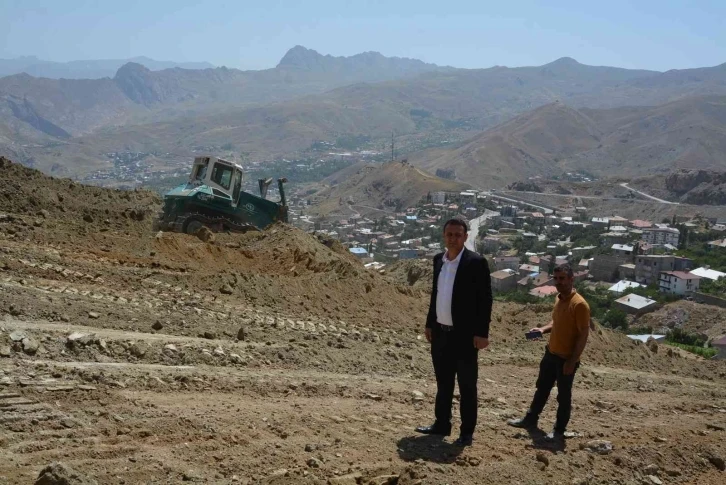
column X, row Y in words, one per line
column 550, row 372
column 455, row 357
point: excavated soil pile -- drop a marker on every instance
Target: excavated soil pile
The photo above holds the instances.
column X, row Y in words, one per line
column 416, row 274
column 46, row 208
column 288, row 270
column 706, row 320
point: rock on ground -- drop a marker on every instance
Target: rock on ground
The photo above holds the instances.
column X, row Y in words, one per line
column 61, row 474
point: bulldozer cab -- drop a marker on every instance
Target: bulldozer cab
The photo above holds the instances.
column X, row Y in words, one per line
column 223, row 177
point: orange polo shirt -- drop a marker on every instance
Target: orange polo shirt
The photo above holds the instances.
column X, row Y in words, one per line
column 571, row 316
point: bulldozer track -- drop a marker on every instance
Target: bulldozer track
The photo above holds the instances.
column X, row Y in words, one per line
column 212, row 223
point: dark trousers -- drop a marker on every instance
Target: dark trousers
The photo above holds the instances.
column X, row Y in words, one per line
column 550, row 372
column 455, row 357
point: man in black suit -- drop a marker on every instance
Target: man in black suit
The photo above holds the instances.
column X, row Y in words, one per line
column 457, row 327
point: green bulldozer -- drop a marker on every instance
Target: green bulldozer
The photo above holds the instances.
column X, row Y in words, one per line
column 213, row 198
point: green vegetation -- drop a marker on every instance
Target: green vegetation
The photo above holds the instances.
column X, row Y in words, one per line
column 710, row 287
column 352, row 142
column 599, row 299
column 697, row 249
column 585, row 236
column 529, row 244
column 652, row 292
column 680, row 336
column 705, row 352
column 615, row 318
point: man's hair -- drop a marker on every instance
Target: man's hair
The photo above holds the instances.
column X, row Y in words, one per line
column 456, row 222
column 564, row 268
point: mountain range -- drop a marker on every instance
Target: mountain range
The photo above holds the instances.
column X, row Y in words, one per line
column 310, row 97
column 555, row 138
column 86, row 69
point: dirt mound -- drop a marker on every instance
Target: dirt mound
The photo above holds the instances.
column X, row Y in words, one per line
column 706, row 320
column 38, row 201
column 288, row 270
column 414, row 273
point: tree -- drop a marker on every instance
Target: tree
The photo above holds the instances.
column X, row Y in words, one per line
column 615, row 318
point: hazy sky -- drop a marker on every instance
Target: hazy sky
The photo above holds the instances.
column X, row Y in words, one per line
column 650, row 34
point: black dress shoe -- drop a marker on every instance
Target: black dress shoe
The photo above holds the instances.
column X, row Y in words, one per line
column 525, row 422
column 464, row 440
column 555, row 436
column 434, row 430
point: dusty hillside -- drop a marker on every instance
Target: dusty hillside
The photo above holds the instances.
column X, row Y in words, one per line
column 275, row 358
column 688, row 133
column 530, row 144
column 377, row 189
column 706, row 320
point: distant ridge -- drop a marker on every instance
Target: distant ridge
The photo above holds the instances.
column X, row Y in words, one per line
column 630, row 141
column 86, row 69
column 300, row 57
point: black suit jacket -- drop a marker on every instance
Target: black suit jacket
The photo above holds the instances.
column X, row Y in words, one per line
column 471, row 300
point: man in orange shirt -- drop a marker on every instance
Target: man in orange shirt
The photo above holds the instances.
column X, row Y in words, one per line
column 569, row 329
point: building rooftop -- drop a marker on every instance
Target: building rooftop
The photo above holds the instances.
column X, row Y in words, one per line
column 623, row 285
column 644, row 338
column 503, row 273
column 682, row 275
column 543, row 291
column 529, row 267
column 640, row 223
column 634, row 301
column 621, row 247
column 358, row 250
column 710, row 274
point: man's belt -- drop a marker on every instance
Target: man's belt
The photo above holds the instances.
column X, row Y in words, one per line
column 446, row 328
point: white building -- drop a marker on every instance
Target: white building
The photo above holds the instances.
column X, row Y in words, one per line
column 661, row 235
column 623, row 285
column 644, row 338
column 707, row 273
column 678, row 282
column 622, row 249
column 635, row 304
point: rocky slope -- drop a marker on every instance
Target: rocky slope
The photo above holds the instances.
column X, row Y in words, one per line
column 377, row 189
column 625, row 142
column 700, row 187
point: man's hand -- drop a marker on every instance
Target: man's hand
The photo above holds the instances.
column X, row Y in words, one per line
column 569, row 368
column 537, row 330
column 481, row 343
column 428, row 333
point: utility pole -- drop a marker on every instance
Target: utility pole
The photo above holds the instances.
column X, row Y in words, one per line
column 393, row 157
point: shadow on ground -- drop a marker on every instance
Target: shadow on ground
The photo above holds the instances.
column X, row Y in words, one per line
column 540, row 443
column 429, row 448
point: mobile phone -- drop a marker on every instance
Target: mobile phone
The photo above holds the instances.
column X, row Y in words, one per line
column 535, row 334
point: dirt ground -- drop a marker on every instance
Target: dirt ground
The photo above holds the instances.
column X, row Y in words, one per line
column 131, row 356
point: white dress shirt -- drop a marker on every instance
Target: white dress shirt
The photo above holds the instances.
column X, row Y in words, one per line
column 445, row 289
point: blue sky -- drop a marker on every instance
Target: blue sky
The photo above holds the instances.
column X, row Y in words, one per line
column 645, row 34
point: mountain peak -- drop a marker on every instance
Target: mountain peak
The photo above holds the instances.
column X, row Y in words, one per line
column 300, row 57
column 563, row 62
column 131, row 68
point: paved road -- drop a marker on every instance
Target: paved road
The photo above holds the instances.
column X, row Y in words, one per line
column 545, row 210
column 474, row 230
column 649, row 196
